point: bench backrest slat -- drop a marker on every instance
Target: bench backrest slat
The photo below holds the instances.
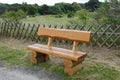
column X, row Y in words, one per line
column 74, row 35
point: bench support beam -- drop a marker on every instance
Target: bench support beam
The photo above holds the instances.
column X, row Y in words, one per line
column 75, row 44
column 72, row 67
column 49, row 43
column 33, row 57
column 37, row 57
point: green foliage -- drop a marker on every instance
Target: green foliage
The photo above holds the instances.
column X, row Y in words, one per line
column 107, row 15
column 82, row 14
column 55, row 10
column 31, row 10
column 92, row 5
column 76, row 6
column 3, row 7
column 21, row 14
column 59, row 16
column 82, row 17
column 44, row 9
column 65, row 7
column 58, row 8
column 12, row 16
column 70, row 15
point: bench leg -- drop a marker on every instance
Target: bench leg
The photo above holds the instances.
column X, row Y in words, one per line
column 37, row 57
column 72, row 67
column 46, row 57
column 33, row 57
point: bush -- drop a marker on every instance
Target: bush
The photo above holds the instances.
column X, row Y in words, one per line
column 59, row 16
column 13, row 16
column 70, row 15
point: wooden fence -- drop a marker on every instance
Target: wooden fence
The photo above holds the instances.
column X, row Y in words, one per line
column 108, row 36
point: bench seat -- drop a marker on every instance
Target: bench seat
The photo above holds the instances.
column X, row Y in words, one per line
column 59, row 52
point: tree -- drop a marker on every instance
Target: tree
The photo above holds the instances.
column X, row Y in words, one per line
column 31, row 10
column 76, row 6
column 114, row 3
column 3, row 8
column 14, row 7
column 24, row 7
column 44, row 9
column 54, row 10
column 65, row 7
column 92, row 5
column 108, row 13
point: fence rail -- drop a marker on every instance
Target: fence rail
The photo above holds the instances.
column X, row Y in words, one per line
column 108, row 36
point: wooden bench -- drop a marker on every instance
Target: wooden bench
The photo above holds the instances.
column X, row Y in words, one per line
column 72, row 58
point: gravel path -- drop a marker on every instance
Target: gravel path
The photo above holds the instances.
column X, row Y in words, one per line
column 26, row 73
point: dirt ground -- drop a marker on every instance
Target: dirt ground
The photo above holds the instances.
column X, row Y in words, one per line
column 26, row 73
column 104, row 55
column 23, row 72
column 110, row 57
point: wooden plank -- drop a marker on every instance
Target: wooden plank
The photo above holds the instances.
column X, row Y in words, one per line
column 101, row 34
column 50, row 43
column 58, row 52
column 69, row 63
column 30, row 33
column 74, row 47
column 2, row 28
column 22, row 31
column 14, row 31
column 6, row 29
column 37, row 57
column 75, row 35
column 118, row 38
column 42, row 57
column 18, row 30
column 46, row 57
column 73, row 70
column 33, row 57
column 26, row 31
column 35, row 34
column 10, row 32
column 110, row 36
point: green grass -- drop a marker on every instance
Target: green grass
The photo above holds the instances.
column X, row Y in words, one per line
column 47, row 20
column 91, row 71
column 96, row 71
column 13, row 56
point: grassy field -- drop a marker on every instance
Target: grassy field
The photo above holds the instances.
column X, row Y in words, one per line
column 101, row 64
column 48, row 19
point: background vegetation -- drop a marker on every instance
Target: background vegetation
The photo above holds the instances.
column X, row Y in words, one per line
column 93, row 11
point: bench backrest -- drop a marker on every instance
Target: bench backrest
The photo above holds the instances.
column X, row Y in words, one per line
column 74, row 35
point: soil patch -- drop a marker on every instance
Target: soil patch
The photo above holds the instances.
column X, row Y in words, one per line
column 27, row 73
